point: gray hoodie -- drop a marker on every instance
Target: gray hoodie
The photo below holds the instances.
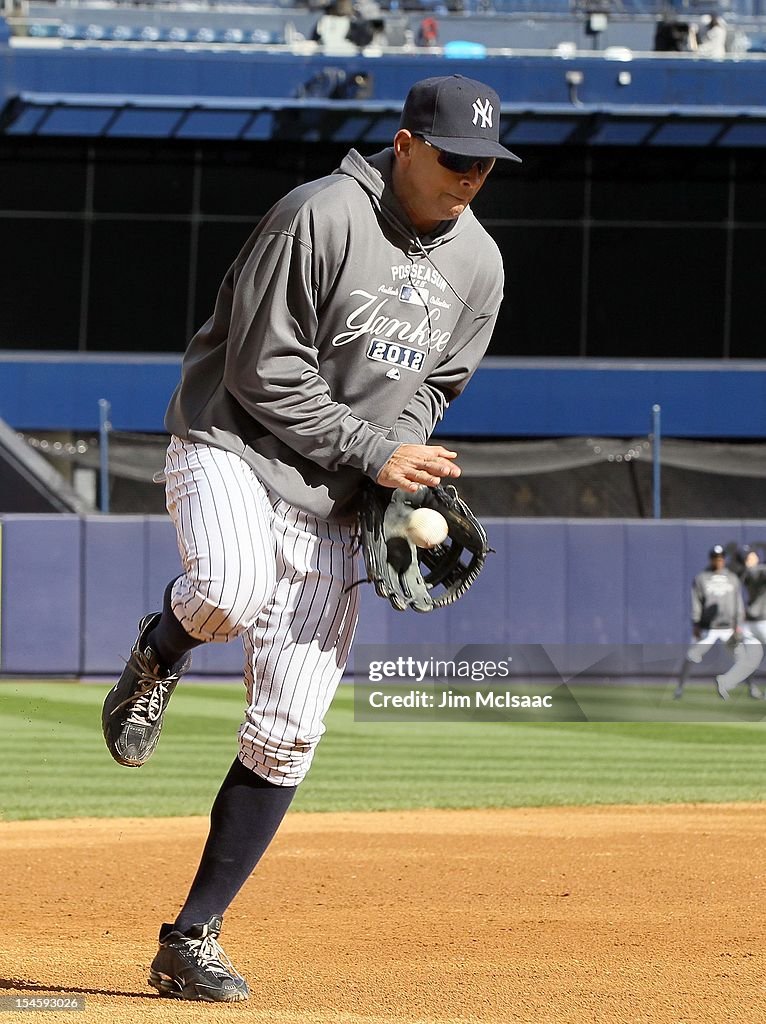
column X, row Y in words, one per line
column 338, row 335
column 717, row 600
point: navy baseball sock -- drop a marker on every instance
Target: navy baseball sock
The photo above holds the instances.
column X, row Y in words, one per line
column 244, row 819
column 169, row 640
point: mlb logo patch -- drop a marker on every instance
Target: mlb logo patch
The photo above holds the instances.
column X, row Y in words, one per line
column 413, row 294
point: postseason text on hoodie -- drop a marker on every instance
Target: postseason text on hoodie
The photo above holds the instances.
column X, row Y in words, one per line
column 338, row 334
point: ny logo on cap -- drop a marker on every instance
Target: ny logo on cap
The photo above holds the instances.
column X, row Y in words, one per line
column 483, row 110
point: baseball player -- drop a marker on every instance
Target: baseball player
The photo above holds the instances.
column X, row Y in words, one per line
column 718, row 614
column 356, row 311
column 753, row 576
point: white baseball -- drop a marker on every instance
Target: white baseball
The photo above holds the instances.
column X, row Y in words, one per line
column 426, row 528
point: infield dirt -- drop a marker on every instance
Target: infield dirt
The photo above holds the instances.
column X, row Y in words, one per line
column 541, row 916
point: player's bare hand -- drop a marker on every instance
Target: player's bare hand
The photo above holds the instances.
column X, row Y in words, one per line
column 413, row 465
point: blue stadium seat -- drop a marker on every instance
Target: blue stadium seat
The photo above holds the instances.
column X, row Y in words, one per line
column 122, row 33
column 42, row 30
column 260, row 35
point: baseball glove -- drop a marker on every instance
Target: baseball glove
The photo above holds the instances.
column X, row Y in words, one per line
column 415, row 577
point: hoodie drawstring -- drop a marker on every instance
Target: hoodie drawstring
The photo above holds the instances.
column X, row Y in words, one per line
column 416, row 244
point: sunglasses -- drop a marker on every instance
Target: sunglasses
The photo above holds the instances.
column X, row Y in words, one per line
column 457, row 163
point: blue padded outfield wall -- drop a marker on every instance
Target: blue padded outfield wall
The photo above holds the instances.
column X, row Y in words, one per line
column 507, row 398
column 73, row 589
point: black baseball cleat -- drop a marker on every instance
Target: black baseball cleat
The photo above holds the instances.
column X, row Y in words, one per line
column 134, row 708
column 192, row 965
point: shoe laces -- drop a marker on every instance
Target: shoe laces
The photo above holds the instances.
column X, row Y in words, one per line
column 151, row 691
column 208, row 953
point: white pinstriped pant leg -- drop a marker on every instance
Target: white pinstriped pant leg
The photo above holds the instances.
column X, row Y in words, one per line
column 747, row 654
column 297, row 648
column 757, row 628
column 699, row 646
column 223, row 519
column 257, row 566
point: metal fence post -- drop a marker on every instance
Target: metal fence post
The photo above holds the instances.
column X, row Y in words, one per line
column 104, row 426
column 656, row 440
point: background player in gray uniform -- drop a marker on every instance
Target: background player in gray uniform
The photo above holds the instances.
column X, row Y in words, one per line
column 359, row 307
column 753, row 576
column 718, row 613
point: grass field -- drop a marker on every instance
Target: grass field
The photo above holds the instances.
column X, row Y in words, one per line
column 54, row 763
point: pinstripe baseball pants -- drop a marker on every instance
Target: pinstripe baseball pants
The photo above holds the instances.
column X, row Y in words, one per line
column 745, row 649
column 258, row 567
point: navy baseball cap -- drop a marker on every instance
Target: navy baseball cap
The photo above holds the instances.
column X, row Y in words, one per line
column 717, row 552
column 456, row 114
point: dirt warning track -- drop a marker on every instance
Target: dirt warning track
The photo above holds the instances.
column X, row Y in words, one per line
column 610, row 915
